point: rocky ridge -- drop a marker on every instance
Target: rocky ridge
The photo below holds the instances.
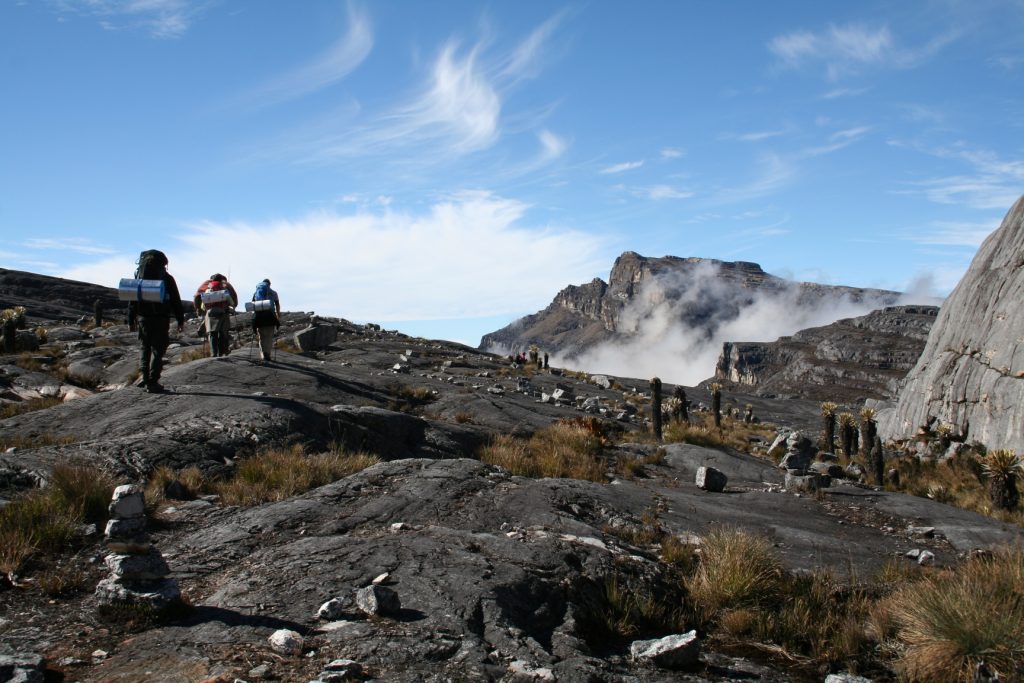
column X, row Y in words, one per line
column 848, row 361
column 491, row 576
column 705, row 293
column 971, row 372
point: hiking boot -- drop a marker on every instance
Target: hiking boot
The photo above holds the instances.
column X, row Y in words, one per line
column 155, row 388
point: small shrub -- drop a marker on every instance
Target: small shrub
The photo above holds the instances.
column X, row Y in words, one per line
column 462, row 417
column 278, row 474
column 949, row 623
column 410, row 399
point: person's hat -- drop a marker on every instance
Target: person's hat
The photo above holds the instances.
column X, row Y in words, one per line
column 266, row 281
column 217, row 276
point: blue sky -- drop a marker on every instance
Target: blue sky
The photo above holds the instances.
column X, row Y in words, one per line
column 444, row 167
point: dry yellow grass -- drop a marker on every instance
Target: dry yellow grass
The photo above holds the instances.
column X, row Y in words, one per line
column 949, row 623
column 565, row 449
column 278, row 474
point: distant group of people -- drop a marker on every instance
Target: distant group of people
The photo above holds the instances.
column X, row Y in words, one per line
column 215, row 300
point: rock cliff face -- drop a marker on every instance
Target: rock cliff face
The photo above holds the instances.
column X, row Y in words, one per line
column 847, row 361
column 703, row 293
column 971, row 372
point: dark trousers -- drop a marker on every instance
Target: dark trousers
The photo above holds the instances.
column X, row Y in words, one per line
column 155, row 333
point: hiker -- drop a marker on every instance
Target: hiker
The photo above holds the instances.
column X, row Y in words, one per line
column 97, row 309
column 153, row 318
column 217, row 298
column 266, row 321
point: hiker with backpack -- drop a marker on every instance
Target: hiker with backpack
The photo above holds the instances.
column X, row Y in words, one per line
column 217, row 298
column 152, row 318
column 266, row 318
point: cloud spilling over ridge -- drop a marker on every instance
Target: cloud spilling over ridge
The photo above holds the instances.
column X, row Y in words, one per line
column 675, row 325
column 469, row 256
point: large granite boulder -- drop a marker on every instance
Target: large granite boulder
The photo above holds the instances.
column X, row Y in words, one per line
column 971, row 372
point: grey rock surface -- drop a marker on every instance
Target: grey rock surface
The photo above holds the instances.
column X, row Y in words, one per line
column 847, row 361
column 971, row 372
column 707, row 292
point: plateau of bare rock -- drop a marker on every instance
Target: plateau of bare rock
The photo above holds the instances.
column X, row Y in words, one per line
column 847, row 361
column 430, row 562
column 696, row 294
column 970, row 375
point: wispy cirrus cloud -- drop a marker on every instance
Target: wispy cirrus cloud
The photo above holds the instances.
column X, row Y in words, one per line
column 990, row 182
column 76, row 244
column 836, row 141
column 660, row 192
column 837, row 93
column 953, row 234
column 620, row 168
column 755, row 136
column 162, row 18
column 847, row 49
column 458, row 109
column 338, row 61
column 671, row 153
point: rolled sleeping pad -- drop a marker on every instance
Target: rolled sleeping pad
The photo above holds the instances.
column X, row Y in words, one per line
column 216, row 296
column 133, row 289
column 264, row 305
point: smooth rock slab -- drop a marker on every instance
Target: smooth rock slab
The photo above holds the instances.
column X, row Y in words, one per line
column 286, row 642
column 679, row 651
column 378, row 600
column 711, row 479
column 846, row 678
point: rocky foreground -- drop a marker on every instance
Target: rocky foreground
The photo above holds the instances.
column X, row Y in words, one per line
column 430, row 566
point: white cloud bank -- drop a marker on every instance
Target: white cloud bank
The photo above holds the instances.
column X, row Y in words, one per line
column 660, row 340
column 470, row 256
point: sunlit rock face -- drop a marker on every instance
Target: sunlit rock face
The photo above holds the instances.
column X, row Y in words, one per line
column 669, row 316
column 971, row 372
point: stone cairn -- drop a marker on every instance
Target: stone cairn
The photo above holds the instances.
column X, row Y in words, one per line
column 138, row 572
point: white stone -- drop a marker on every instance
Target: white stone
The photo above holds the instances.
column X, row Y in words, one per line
column 679, row 651
column 332, row 610
column 523, row 669
column 286, row 642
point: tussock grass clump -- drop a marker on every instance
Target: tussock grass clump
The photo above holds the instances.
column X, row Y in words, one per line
column 37, row 441
column 48, row 520
column 736, row 569
column 277, row 474
column 733, row 433
column 949, row 623
column 195, row 353
column 31, row 405
column 192, row 482
column 962, row 481
column 82, row 488
column 568, row 450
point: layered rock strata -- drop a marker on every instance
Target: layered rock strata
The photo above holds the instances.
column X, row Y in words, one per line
column 702, row 293
column 971, row 372
column 848, row 361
